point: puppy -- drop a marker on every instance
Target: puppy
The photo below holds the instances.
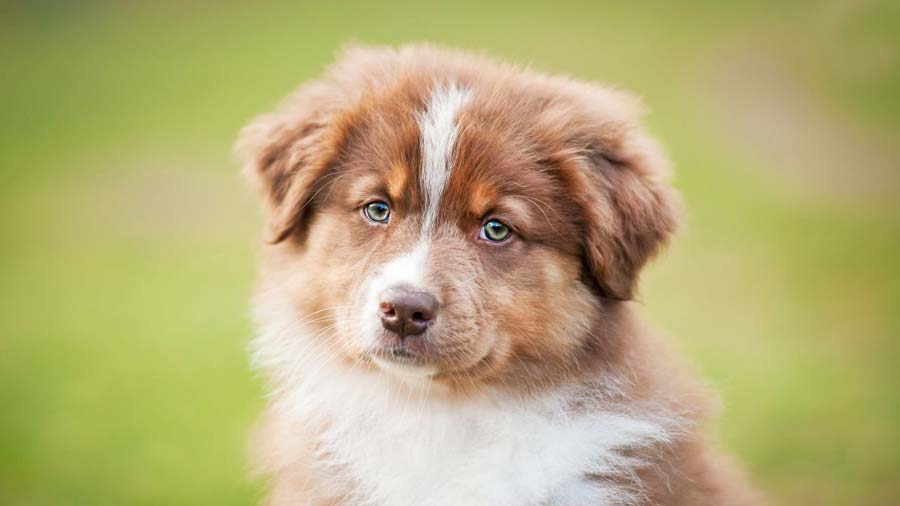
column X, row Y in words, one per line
column 443, row 308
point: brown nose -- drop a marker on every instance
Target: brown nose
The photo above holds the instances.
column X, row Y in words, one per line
column 407, row 311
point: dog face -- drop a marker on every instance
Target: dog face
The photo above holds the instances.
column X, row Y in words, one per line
column 461, row 221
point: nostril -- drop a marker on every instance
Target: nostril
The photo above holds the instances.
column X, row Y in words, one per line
column 420, row 317
column 387, row 309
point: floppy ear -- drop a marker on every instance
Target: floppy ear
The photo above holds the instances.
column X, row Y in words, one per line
column 632, row 219
column 286, row 152
column 629, row 210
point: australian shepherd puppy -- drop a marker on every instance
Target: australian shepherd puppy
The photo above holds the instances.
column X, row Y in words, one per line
column 444, row 310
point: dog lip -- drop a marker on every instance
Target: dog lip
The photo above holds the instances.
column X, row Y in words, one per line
column 400, row 355
column 403, row 363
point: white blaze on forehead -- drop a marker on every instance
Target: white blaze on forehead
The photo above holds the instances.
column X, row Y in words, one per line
column 439, row 130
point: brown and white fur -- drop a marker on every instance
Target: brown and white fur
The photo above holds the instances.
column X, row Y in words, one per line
column 533, row 383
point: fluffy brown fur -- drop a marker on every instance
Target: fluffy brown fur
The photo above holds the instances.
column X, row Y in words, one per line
column 542, row 315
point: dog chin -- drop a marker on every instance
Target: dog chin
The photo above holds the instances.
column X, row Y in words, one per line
column 407, row 371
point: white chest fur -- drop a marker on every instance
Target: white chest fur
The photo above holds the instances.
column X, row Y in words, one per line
column 398, row 448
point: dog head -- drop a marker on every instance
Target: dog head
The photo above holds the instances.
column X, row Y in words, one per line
column 437, row 214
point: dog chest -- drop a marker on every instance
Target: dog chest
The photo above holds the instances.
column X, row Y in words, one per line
column 411, row 453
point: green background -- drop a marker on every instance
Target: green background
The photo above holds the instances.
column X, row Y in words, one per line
column 128, row 236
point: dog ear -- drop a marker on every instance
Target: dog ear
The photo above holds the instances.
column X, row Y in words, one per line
column 286, row 152
column 631, row 219
column 619, row 180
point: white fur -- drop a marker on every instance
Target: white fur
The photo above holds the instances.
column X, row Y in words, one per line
column 409, row 268
column 439, row 130
column 393, row 445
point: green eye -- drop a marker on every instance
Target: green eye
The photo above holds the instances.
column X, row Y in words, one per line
column 378, row 211
column 495, row 231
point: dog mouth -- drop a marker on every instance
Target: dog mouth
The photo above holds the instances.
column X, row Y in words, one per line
column 403, row 362
column 399, row 355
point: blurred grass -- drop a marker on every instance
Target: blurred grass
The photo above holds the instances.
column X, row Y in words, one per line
column 128, row 238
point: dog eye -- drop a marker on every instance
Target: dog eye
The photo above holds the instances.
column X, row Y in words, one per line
column 377, row 211
column 495, row 231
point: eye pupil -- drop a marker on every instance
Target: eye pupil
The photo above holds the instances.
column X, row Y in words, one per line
column 495, row 231
column 378, row 211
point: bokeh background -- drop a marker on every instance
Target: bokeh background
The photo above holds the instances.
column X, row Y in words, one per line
column 128, row 237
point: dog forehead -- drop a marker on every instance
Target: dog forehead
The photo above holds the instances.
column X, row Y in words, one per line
column 445, row 152
column 472, row 153
column 438, row 132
